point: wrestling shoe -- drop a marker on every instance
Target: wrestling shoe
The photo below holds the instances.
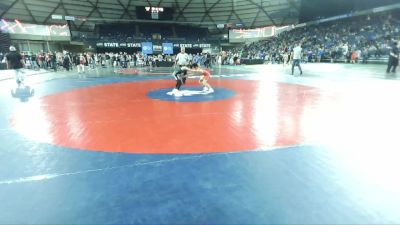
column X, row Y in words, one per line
column 172, row 92
column 178, row 94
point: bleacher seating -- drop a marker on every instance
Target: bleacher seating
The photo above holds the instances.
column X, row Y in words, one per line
column 5, row 42
column 370, row 37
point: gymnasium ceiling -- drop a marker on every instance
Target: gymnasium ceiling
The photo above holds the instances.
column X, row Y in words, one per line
column 205, row 13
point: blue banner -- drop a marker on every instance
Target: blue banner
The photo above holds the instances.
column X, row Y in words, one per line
column 168, row 48
column 147, row 48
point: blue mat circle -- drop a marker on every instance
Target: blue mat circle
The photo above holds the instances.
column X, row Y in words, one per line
column 192, row 94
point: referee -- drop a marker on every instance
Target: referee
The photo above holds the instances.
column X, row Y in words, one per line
column 182, row 59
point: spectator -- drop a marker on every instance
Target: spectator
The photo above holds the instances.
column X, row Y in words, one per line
column 393, row 58
column 15, row 62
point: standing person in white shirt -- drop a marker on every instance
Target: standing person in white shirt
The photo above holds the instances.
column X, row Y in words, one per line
column 297, row 53
column 81, row 65
column 182, row 59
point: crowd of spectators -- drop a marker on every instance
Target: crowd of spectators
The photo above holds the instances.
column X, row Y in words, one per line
column 350, row 40
column 89, row 60
column 127, row 32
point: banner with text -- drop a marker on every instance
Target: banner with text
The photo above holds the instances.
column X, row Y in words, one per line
column 166, row 48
